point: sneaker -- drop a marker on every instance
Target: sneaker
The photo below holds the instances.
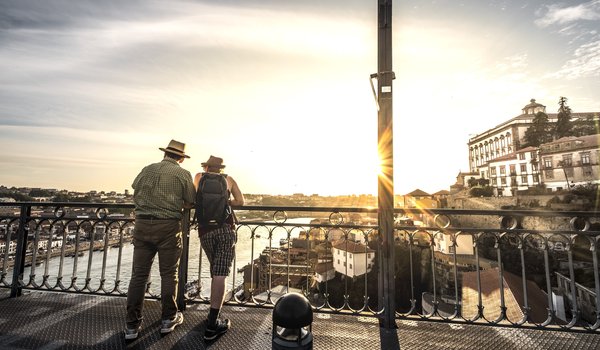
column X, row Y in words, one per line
column 132, row 333
column 169, row 325
column 221, row 327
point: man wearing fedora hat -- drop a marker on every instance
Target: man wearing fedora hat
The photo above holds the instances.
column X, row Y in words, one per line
column 161, row 191
column 219, row 245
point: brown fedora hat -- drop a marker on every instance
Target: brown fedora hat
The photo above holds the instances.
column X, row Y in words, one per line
column 214, row 162
column 175, row 147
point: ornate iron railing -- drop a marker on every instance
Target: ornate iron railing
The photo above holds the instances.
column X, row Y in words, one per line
column 521, row 268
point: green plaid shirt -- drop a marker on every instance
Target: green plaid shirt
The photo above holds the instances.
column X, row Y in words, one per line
column 162, row 188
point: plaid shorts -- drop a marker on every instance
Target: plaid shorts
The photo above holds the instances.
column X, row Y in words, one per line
column 219, row 246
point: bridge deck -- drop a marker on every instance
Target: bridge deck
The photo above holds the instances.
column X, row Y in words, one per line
column 45, row 320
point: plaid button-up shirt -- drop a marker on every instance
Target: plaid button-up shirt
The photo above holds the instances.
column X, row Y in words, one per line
column 162, row 188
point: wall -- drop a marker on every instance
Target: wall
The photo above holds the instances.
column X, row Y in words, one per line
column 496, row 203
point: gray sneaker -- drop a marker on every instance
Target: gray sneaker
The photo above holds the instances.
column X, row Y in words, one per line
column 132, row 333
column 169, row 325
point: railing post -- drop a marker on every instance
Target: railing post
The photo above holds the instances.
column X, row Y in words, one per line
column 19, row 267
column 183, row 263
column 385, row 186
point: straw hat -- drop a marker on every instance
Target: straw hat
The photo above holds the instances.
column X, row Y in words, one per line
column 175, row 147
column 214, row 162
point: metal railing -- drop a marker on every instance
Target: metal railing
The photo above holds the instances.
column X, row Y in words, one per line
column 519, row 268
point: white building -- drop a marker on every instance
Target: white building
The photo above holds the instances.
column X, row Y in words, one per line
column 464, row 244
column 508, row 137
column 514, row 172
column 12, row 248
column 352, row 259
column 324, row 271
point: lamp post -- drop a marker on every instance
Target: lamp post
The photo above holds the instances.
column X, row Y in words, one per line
column 385, row 183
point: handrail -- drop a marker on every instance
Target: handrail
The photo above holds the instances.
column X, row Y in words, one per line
column 452, row 254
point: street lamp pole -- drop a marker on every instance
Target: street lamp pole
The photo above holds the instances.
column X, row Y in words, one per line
column 385, row 185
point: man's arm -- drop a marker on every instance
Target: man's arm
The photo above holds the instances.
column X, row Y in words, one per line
column 137, row 179
column 189, row 192
column 238, row 196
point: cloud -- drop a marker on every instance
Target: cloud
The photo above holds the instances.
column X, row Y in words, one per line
column 557, row 14
column 585, row 63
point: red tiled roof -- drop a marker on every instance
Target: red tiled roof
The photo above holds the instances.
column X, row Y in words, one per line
column 352, row 247
column 441, row 193
column 418, row 193
column 323, row 267
column 513, row 296
column 527, row 149
column 505, row 157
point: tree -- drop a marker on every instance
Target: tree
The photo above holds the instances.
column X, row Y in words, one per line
column 40, row 193
column 19, row 197
column 563, row 125
column 473, row 182
column 587, row 125
column 562, row 164
column 486, row 191
column 61, row 197
column 539, row 131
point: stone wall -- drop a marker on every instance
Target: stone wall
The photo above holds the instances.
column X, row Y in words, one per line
column 496, row 203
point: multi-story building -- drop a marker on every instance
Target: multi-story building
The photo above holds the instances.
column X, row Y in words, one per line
column 514, row 172
column 508, row 137
column 498, row 155
column 570, row 161
column 352, row 259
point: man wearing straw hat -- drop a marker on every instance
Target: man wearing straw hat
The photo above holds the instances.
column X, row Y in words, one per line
column 161, row 191
column 218, row 242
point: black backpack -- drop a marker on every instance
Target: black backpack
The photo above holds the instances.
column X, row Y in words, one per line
column 212, row 200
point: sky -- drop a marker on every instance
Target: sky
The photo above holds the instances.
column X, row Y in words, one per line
column 90, row 89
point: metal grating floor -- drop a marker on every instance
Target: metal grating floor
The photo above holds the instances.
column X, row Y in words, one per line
column 48, row 321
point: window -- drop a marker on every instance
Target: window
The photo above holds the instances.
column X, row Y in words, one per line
column 585, row 158
column 523, row 168
column 338, row 261
column 502, row 169
column 350, row 265
column 503, row 181
column 536, row 178
column 350, row 255
column 521, row 156
column 369, row 255
column 548, row 163
column 338, row 252
column 344, row 264
column 512, row 169
column 549, row 174
column 534, row 167
column 524, row 179
column 567, row 160
column 451, row 249
column 587, row 171
column 493, row 171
